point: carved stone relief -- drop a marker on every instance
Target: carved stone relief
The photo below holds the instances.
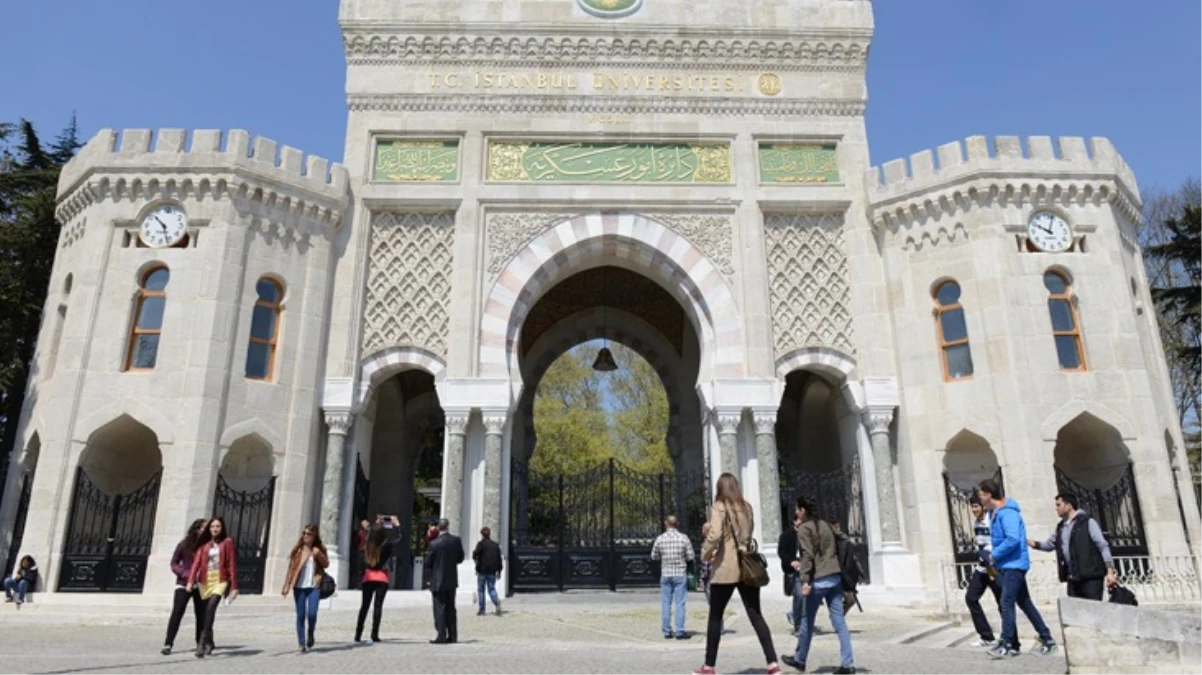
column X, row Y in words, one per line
column 708, row 232
column 409, row 281
column 808, row 282
column 508, row 232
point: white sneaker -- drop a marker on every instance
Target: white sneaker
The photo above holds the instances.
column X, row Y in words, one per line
column 983, row 644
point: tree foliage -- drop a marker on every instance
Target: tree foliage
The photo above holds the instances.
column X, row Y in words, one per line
column 1171, row 238
column 28, row 240
column 582, row 417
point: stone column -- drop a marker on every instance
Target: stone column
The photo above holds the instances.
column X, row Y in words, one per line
column 339, row 423
column 494, row 424
column 728, row 441
column 877, row 419
column 765, row 452
column 452, row 481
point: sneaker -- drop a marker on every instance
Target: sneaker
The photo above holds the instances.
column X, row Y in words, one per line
column 1002, row 651
column 682, row 636
column 480, row 613
column 1046, row 647
column 845, row 670
column 667, row 636
column 983, row 643
column 166, row 650
column 773, row 670
column 704, row 670
column 498, row 609
column 788, row 660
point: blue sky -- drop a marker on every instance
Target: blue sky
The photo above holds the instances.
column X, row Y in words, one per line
column 940, row 70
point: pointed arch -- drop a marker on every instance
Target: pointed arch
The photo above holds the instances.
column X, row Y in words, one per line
column 142, row 413
column 1073, row 409
column 382, row 364
column 251, row 427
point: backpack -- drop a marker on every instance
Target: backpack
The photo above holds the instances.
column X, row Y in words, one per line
column 850, row 571
column 1121, row 595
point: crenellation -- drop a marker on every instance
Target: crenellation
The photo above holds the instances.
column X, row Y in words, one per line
column 1009, row 147
column 922, row 164
column 171, row 140
column 951, row 155
column 264, row 152
column 1041, row 147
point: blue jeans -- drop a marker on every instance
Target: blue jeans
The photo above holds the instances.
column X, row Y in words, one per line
column 489, row 582
column 799, row 603
column 20, row 586
column 672, row 592
column 306, row 604
column 830, row 589
column 1014, row 591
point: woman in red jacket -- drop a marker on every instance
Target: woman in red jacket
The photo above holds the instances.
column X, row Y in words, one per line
column 215, row 573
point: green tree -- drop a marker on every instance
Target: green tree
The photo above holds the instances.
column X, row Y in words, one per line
column 1171, row 237
column 639, row 413
column 569, row 421
column 28, row 240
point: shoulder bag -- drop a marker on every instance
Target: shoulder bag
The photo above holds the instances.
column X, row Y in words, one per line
column 753, row 568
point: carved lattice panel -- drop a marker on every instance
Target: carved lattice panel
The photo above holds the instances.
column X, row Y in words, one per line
column 409, row 281
column 807, row 267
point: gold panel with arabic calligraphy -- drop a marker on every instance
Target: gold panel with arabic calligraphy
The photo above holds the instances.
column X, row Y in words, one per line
column 794, row 163
column 417, row 161
column 602, row 162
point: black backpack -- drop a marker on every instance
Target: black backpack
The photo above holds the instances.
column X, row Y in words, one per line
column 1121, row 595
column 849, row 566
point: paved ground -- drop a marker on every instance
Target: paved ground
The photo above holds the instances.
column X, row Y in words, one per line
column 574, row 633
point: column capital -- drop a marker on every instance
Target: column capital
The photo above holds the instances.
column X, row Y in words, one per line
column 455, row 423
column 765, row 423
column 878, row 419
column 727, row 422
column 339, row 421
column 494, row 423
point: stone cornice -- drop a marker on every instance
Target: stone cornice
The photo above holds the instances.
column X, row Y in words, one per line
column 637, row 47
column 629, row 105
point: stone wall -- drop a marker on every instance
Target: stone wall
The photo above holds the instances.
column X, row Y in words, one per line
column 1102, row 637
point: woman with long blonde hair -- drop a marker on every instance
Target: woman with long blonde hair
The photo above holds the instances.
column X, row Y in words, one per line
column 306, row 567
column 731, row 525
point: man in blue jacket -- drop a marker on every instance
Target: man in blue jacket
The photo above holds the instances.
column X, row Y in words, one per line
column 1008, row 533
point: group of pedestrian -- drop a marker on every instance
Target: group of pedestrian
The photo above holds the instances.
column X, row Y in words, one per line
column 205, row 563
column 1083, row 562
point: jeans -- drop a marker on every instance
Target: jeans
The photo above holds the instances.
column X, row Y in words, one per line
column 1015, row 592
column 1086, row 589
column 21, row 586
column 721, row 594
column 487, row 582
column 306, row 605
column 178, row 607
column 830, row 589
column 976, row 588
column 799, row 603
column 672, row 592
column 376, row 589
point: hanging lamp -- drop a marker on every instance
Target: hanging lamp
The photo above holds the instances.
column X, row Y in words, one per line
column 605, row 359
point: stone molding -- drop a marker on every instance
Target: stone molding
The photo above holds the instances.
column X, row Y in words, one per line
column 129, row 168
column 456, row 424
column 494, row 425
column 491, row 104
column 765, row 424
column 878, row 420
column 508, row 233
column 339, row 422
column 727, row 423
column 781, row 51
column 809, row 285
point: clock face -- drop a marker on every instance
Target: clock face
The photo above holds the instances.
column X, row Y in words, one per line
column 164, row 226
column 1049, row 232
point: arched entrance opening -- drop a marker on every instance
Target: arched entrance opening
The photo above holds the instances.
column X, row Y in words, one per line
column 400, row 472
column 244, row 497
column 1092, row 461
column 588, row 520
column 21, row 481
column 818, row 454
column 111, row 524
column 967, row 460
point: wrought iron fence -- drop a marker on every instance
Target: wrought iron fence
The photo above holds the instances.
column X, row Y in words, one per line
column 1116, row 509
column 108, row 537
column 959, row 513
column 1153, row 579
column 248, row 521
column 840, row 500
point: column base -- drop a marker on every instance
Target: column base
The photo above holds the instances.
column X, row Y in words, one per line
column 896, row 570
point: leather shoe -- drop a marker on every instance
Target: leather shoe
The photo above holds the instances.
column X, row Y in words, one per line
column 439, row 642
column 792, row 663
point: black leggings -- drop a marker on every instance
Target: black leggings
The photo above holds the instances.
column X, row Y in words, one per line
column 177, row 614
column 720, row 595
column 210, row 609
column 371, row 588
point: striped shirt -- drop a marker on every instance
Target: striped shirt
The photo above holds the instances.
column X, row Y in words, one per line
column 673, row 550
column 984, row 539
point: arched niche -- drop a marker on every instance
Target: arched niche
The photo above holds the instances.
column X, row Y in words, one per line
column 1091, row 452
column 248, row 464
column 121, row 456
column 968, row 459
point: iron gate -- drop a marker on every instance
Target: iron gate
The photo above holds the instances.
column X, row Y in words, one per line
column 595, row 529
column 14, row 548
column 840, row 500
column 959, row 514
column 108, row 537
column 247, row 517
column 1116, row 509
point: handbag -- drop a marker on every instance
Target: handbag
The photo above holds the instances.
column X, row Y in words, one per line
column 753, row 568
column 328, row 586
column 692, row 583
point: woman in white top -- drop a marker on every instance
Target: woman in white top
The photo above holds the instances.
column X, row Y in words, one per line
column 308, row 563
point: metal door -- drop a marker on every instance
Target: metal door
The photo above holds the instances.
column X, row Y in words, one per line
column 108, row 537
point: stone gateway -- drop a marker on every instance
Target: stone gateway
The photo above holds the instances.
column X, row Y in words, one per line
column 235, row 328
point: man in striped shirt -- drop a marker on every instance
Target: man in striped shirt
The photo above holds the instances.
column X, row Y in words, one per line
column 983, row 576
column 673, row 550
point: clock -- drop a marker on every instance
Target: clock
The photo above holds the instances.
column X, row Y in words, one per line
column 163, row 227
column 1049, row 232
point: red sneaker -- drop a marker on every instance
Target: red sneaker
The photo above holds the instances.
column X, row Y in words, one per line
column 704, row 670
column 774, row 670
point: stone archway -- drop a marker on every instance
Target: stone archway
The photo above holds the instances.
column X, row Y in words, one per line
column 967, row 459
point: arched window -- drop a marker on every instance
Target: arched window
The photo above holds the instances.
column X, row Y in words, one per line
column 1066, row 328
column 953, row 332
column 264, row 330
column 148, row 321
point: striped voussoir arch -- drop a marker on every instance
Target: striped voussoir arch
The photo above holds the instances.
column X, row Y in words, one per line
column 384, row 363
column 626, row 239
column 834, row 364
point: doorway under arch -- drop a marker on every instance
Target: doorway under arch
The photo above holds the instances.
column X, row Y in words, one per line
column 244, row 498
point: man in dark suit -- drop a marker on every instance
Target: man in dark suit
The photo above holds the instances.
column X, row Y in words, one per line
column 442, row 559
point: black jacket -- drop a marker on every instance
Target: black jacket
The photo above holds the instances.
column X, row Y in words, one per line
column 488, row 557
column 1085, row 560
column 442, row 558
column 786, row 548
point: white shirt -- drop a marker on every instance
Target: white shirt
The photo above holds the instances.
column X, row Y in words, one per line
column 214, row 557
column 304, row 578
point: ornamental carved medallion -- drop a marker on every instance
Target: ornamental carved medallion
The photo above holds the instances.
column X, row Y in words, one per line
column 610, row 9
column 808, row 282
